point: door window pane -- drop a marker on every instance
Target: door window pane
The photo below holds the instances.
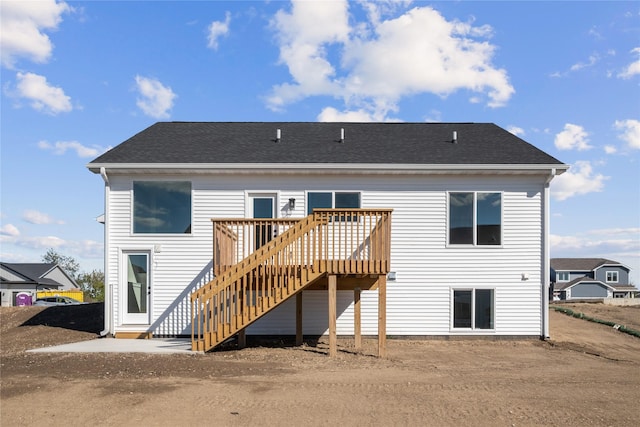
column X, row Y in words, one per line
column 137, row 286
column 263, row 208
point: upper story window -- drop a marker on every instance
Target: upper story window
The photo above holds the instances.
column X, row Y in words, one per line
column 562, row 276
column 332, row 200
column 162, row 207
column 475, row 218
column 612, row 276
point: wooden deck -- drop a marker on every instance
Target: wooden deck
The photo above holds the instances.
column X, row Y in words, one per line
column 260, row 263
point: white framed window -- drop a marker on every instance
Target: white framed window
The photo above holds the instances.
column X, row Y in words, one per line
column 612, row 276
column 332, row 200
column 161, row 207
column 475, row 218
column 473, row 309
column 562, row 276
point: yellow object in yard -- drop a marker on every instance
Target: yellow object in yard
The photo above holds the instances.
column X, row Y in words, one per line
column 75, row 294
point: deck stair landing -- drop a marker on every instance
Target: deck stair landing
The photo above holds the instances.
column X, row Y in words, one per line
column 260, row 263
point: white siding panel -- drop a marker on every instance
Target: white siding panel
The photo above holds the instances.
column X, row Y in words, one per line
column 427, row 269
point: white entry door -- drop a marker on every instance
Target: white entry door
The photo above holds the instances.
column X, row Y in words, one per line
column 136, row 287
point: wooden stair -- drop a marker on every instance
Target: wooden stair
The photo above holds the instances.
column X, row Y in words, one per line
column 294, row 254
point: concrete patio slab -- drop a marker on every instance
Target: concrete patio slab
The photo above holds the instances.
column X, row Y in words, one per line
column 112, row 345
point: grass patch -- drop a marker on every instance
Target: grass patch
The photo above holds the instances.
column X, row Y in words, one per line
column 614, row 325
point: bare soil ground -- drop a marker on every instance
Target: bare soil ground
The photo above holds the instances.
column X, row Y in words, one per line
column 587, row 375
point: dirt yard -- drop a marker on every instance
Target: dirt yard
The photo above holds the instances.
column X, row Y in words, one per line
column 587, row 375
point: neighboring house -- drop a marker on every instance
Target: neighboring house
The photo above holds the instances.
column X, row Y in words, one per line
column 18, row 279
column 466, row 206
column 590, row 278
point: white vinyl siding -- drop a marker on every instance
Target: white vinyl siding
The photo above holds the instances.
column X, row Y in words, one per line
column 418, row 302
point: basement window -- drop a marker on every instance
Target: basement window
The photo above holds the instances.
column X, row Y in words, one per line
column 162, row 207
column 473, row 309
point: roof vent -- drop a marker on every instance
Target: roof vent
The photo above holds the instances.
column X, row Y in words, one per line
column 455, row 137
column 341, row 135
column 278, row 135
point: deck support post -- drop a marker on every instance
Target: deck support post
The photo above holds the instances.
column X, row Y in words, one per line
column 382, row 316
column 333, row 337
column 299, row 336
column 357, row 319
column 242, row 339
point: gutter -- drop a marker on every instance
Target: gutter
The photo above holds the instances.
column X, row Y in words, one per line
column 324, row 168
column 108, row 293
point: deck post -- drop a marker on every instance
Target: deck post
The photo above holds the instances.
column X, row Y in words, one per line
column 299, row 336
column 357, row 319
column 242, row 339
column 382, row 316
column 333, row 337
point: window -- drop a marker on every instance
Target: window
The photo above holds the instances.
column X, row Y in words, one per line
column 162, row 207
column 473, row 309
column 475, row 218
column 612, row 276
column 562, row 276
column 331, row 200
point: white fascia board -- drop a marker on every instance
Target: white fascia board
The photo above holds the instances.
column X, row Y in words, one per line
column 315, row 168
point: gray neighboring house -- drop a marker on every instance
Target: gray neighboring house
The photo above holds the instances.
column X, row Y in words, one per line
column 590, row 278
column 19, row 278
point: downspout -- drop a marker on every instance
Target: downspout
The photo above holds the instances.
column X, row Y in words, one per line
column 108, row 293
column 546, row 262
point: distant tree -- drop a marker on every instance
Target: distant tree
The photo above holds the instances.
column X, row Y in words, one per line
column 67, row 263
column 92, row 285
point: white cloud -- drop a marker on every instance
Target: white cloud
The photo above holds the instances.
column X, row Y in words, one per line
column 43, row 97
column 630, row 132
column 9, row 230
column 36, row 217
column 610, row 149
column 578, row 180
column 633, row 68
column 372, row 65
column 518, row 131
column 330, row 114
column 61, row 147
column 23, row 24
column 216, row 30
column 572, row 137
column 155, row 99
column 43, row 242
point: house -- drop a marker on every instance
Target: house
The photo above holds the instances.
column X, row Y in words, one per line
column 590, row 278
column 401, row 229
column 20, row 282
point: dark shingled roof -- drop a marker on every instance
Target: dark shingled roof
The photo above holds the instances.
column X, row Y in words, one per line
column 31, row 271
column 315, row 142
column 579, row 264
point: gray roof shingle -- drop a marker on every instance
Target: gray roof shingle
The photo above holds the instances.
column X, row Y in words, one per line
column 316, row 142
column 579, row 264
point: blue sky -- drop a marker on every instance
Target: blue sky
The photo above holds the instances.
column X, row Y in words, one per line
column 81, row 77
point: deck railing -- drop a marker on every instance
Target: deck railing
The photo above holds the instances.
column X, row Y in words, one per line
column 259, row 263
